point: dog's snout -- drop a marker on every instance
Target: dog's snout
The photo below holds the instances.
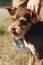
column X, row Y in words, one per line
column 12, row 28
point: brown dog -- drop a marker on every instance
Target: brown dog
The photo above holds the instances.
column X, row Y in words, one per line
column 22, row 22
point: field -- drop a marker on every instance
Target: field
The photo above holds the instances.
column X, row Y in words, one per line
column 9, row 54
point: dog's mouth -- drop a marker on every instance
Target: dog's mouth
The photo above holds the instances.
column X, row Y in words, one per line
column 13, row 31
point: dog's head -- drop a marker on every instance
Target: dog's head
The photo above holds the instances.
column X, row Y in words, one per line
column 22, row 21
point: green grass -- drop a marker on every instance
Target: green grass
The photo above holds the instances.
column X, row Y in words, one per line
column 3, row 31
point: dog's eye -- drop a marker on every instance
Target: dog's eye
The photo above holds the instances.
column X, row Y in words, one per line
column 22, row 22
column 27, row 16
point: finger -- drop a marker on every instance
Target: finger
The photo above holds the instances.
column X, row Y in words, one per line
column 37, row 9
column 33, row 8
column 28, row 5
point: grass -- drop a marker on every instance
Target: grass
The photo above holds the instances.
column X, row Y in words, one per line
column 3, row 31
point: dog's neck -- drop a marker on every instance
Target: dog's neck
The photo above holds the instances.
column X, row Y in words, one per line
column 23, row 44
column 26, row 36
column 19, row 42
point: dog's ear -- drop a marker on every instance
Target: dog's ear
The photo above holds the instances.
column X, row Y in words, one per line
column 11, row 10
column 35, row 18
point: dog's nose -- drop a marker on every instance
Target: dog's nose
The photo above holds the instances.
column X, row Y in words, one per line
column 11, row 28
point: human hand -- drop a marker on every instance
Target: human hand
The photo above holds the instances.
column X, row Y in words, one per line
column 34, row 5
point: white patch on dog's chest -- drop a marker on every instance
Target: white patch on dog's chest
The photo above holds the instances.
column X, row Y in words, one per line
column 30, row 46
